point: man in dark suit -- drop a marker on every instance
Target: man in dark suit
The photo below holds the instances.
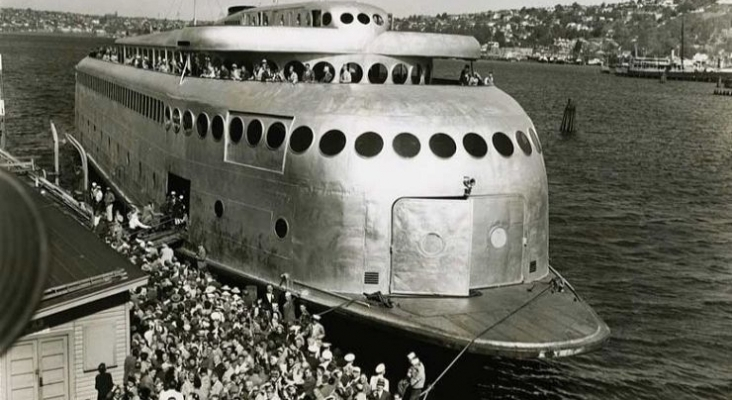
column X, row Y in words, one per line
column 269, row 300
column 380, row 393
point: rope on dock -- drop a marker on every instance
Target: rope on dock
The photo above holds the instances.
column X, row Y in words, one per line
column 425, row 393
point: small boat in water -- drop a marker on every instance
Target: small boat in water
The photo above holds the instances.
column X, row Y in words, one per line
column 315, row 149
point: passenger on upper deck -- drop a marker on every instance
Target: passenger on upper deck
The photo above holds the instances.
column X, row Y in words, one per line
column 235, row 73
column 346, row 74
column 327, row 75
column 292, row 75
column 308, row 76
column 465, row 75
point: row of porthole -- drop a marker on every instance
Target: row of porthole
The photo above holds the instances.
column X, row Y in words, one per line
column 369, row 144
column 281, row 227
column 347, row 19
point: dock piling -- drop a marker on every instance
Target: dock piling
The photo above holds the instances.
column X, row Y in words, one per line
column 570, row 110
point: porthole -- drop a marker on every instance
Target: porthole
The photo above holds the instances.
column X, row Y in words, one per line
column 378, row 73
column 168, row 121
column 503, row 144
column 347, row 18
column 276, row 135
column 327, row 19
column 378, row 19
column 475, row 145
column 332, row 143
column 416, row 74
column 202, row 125
column 219, row 208
column 217, row 128
column 406, row 145
column 364, row 19
column 442, row 145
column 324, row 72
column 301, row 139
column 369, row 144
column 499, row 237
column 254, row 132
column 236, row 130
column 355, row 70
column 281, row 228
column 176, row 120
column 187, row 122
column 399, row 74
column 523, row 142
column 535, row 138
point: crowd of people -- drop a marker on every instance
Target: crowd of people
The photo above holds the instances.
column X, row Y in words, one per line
column 468, row 77
column 195, row 339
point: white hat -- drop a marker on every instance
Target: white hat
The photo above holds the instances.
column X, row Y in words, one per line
column 411, row 356
column 225, row 288
column 380, row 369
column 216, row 316
column 235, row 290
column 288, row 294
column 313, row 348
column 349, row 357
column 210, row 289
column 316, row 317
column 327, row 355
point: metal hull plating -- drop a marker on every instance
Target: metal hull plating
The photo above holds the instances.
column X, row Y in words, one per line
column 340, row 210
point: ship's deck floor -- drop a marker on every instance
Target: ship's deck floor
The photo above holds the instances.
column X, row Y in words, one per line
column 527, row 320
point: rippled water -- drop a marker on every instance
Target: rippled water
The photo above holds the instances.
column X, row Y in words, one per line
column 639, row 215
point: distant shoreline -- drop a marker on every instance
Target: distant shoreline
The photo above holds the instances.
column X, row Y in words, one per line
column 68, row 34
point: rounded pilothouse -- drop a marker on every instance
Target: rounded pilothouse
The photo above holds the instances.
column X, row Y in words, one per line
column 314, row 142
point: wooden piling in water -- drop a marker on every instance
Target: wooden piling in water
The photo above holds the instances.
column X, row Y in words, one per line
column 570, row 110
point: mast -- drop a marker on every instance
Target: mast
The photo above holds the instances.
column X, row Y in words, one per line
column 194, row 12
column 682, row 42
column 3, row 133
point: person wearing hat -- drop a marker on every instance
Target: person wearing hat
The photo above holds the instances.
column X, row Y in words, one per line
column 380, row 392
column 317, row 331
column 269, row 300
column 327, row 75
column 416, row 376
column 380, row 376
column 348, row 366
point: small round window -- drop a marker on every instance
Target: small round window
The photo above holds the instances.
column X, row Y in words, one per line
column 327, row 19
column 503, row 144
column 236, row 130
column 276, row 135
column 355, row 71
column 168, row 122
column 347, row 18
column 176, row 121
column 219, row 208
column 535, row 138
column 188, row 122
column 217, row 128
column 416, row 74
column 254, row 132
column 399, row 74
column 475, row 145
column 324, row 72
column 281, row 228
column 378, row 73
column 332, row 142
column 523, row 142
column 369, row 144
column 301, row 139
column 202, row 125
column 442, row 145
column 364, row 19
column 406, row 145
column 378, row 19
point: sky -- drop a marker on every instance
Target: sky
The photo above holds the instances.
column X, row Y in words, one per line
column 214, row 9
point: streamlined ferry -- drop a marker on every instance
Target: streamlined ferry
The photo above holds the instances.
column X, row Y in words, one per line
column 315, row 149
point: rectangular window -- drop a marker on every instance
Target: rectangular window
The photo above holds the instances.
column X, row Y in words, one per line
column 99, row 346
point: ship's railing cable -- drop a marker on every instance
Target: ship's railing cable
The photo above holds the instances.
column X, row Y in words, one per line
column 467, row 346
column 342, row 305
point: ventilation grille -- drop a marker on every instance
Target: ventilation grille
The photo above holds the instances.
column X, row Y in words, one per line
column 532, row 267
column 371, row 278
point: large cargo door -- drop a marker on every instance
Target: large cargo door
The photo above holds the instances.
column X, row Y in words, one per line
column 431, row 241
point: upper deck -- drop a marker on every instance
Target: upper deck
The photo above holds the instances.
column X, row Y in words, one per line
column 315, row 28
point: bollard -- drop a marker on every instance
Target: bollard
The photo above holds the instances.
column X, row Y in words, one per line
column 567, row 127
